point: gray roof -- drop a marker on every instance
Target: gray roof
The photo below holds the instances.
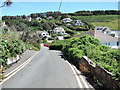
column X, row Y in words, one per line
column 39, row 32
column 104, row 38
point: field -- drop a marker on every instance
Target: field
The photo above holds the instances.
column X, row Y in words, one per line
column 113, row 25
column 101, row 20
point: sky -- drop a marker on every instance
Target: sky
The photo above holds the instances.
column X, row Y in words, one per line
column 26, row 8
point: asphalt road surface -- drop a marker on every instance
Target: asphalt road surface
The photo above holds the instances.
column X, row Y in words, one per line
column 46, row 70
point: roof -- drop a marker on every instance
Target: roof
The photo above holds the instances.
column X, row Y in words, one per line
column 39, row 32
column 104, row 38
column 102, row 28
column 59, row 29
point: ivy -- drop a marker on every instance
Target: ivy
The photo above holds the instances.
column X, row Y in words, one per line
column 10, row 48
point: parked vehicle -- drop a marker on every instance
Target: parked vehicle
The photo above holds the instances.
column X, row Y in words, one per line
column 46, row 45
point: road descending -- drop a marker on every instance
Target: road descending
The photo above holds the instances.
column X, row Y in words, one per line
column 46, row 70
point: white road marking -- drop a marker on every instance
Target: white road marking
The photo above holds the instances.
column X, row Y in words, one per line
column 81, row 77
column 77, row 78
column 12, row 73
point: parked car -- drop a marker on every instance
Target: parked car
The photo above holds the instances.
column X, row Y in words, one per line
column 46, row 45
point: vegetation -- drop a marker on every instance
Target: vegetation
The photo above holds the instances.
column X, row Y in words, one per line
column 101, row 20
column 76, row 48
column 10, row 47
column 73, row 48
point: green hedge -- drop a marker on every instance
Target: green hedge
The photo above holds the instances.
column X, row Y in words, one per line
column 10, row 48
column 77, row 47
column 58, row 44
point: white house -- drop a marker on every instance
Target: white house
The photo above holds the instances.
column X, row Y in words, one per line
column 50, row 17
column 59, row 37
column 115, row 33
column 28, row 18
column 59, row 30
column 78, row 23
column 104, row 39
column 104, row 29
column 38, row 18
column 43, row 34
column 66, row 20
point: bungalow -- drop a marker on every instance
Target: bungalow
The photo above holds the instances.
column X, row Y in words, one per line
column 59, row 30
column 78, row 23
column 104, row 39
column 66, row 20
column 50, row 17
column 115, row 33
column 59, row 37
column 104, row 29
column 28, row 18
column 43, row 34
column 38, row 18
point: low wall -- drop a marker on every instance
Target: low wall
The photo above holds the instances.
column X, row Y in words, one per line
column 13, row 59
column 101, row 74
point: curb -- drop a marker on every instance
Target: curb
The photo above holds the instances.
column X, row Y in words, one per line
column 9, row 75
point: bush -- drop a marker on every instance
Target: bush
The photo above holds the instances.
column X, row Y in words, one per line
column 55, row 47
column 58, row 45
column 10, row 48
column 85, row 45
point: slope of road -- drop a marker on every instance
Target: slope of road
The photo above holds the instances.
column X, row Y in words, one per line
column 46, row 70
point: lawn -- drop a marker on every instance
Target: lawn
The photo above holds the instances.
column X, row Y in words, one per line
column 113, row 25
column 101, row 20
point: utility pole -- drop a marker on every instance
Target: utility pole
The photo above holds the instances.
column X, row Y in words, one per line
column 60, row 6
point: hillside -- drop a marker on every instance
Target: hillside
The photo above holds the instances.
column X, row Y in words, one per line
column 101, row 20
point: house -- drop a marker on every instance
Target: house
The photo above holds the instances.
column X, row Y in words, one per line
column 38, row 18
column 43, row 34
column 115, row 33
column 2, row 24
column 66, row 20
column 104, row 39
column 78, row 23
column 59, row 37
column 50, row 17
column 104, row 29
column 59, row 30
column 28, row 18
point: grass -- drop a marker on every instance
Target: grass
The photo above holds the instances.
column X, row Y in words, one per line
column 30, row 46
column 113, row 25
column 101, row 20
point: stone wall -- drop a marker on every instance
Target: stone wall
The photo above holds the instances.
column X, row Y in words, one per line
column 104, row 77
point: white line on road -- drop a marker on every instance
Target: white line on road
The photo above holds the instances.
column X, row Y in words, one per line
column 12, row 73
column 78, row 77
column 78, row 81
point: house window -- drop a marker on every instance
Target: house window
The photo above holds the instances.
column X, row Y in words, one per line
column 117, row 43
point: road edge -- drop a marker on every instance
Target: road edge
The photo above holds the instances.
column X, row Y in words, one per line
column 77, row 73
column 13, row 72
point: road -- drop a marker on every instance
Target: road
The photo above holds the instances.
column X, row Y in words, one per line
column 46, row 70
